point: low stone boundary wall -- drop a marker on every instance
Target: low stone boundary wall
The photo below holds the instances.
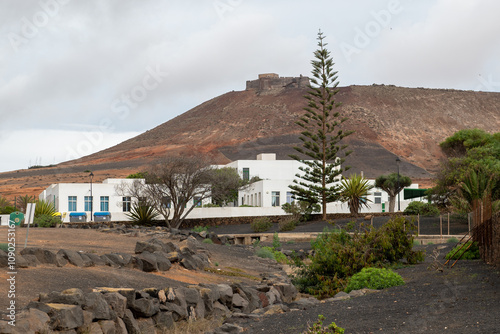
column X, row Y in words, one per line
column 125, row 310
column 190, row 223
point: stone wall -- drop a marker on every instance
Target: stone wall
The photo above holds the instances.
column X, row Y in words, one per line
column 153, row 310
column 272, row 81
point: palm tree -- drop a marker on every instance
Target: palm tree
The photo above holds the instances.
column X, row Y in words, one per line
column 4, row 202
column 477, row 190
column 22, row 202
column 354, row 191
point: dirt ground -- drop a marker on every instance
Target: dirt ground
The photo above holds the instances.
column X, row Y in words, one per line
column 233, row 264
column 463, row 299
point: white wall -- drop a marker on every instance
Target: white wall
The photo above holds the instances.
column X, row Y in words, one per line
column 276, row 175
column 4, row 220
column 59, row 194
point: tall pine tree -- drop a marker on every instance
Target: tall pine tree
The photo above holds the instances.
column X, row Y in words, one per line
column 320, row 136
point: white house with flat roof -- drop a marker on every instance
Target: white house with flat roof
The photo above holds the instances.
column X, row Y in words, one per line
column 276, row 175
column 89, row 199
column 102, row 201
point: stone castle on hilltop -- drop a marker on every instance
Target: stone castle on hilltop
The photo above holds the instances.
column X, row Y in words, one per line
column 272, row 81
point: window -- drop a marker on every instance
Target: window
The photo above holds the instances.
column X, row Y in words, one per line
column 378, row 197
column 275, row 198
column 246, row 174
column 104, row 203
column 197, row 201
column 71, row 203
column 127, row 203
column 88, row 203
column 289, row 197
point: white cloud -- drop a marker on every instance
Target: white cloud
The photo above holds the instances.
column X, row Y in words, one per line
column 449, row 48
column 88, row 54
column 23, row 148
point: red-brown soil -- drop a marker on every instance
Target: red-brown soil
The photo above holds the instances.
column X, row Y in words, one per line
column 388, row 121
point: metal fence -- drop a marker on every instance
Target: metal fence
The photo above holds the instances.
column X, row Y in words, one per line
column 446, row 224
column 487, row 235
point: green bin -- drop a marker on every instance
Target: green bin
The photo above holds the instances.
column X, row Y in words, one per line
column 16, row 218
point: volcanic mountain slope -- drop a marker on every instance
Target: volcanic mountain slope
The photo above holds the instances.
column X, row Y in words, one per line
column 388, row 121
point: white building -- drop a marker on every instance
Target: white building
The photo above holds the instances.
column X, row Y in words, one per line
column 86, row 201
column 276, row 175
column 79, row 199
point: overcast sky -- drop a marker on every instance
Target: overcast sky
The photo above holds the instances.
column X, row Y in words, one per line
column 77, row 76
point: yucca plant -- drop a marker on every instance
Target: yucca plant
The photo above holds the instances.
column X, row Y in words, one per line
column 44, row 208
column 354, row 191
column 142, row 214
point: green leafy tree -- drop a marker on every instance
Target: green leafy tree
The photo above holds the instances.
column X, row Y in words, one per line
column 354, row 191
column 466, row 151
column 225, row 185
column 320, row 135
column 421, row 208
column 391, row 185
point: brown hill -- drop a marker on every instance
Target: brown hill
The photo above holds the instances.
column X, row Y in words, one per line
column 389, row 121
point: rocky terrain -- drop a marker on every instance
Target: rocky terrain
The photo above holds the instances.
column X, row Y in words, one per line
column 144, row 280
column 389, row 121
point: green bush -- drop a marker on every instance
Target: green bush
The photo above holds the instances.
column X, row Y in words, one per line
column 47, row 220
column 338, row 256
column 374, row 278
column 280, row 257
column 7, row 210
column 261, row 224
column 266, row 252
column 301, row 211
column 270, row 253
column 471, row 254
column 287, row 223
column 199, row 229
column 208, row 241
column 317, row 328
column 421, row 208
column 4, row 246
column 276, row 241
column 452, row 240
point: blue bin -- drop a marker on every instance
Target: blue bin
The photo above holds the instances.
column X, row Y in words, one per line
column 77, row 217
column 104, row 216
